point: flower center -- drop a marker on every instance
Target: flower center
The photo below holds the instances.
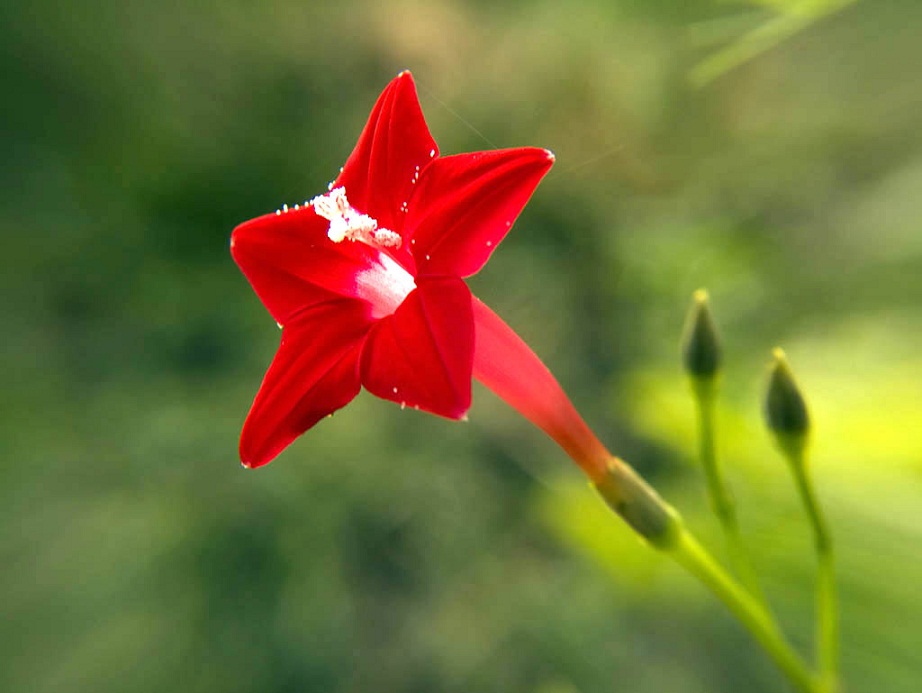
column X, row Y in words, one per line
column 384, row 283
column 348, row 222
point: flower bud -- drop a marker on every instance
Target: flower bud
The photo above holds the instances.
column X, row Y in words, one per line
column 701, row 351
column 785, row 409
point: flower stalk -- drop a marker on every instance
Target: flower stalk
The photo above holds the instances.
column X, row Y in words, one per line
column 506, row 365
column 827, row 601
column 789, row 421
column 688, row 553
column 702, row 357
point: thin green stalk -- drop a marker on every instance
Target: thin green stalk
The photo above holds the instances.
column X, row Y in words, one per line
column 704, row 390
column 827, row 600
column 694, row 558
column 651, row 517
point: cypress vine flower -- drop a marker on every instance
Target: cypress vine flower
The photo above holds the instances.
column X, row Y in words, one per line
column 367, row 284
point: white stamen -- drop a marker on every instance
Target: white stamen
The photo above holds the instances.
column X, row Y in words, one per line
column 348, row 222
column 337, row 231
column 386, row 238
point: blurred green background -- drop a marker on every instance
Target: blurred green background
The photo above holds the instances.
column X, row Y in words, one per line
column 771, row 151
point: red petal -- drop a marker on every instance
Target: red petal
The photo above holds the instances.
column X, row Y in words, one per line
column 394, row 148
column 465, row 204
column 315, row 372
column 421, row 356
column 293, row 265
column 506, row 365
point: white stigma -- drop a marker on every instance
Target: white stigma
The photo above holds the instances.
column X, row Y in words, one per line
column 348, row 222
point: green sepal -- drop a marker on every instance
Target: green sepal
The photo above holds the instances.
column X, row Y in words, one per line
column 639, row 505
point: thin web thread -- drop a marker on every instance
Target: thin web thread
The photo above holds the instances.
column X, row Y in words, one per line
column 557, row 171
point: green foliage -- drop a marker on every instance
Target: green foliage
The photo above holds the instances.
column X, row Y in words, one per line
column 391, row 551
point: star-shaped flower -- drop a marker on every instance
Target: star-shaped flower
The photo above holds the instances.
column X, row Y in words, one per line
column 367, row 280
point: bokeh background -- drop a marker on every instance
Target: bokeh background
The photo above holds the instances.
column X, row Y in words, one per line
column 770, row 151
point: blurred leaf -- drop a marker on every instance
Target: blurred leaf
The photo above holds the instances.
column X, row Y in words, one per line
column 790, row 17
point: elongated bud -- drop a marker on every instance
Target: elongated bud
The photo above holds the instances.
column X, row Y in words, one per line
column 639, row 505
column 701, row 351
column 785, row 409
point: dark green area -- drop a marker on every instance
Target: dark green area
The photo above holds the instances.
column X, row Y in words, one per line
column 392, row 551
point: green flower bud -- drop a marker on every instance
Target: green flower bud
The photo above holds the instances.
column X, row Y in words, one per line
column 785, row 409
column 701, row 351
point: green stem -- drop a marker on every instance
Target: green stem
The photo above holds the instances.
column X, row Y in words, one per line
column 704, row 390
column 827, row 601
column 659, row 523
column 694, row 558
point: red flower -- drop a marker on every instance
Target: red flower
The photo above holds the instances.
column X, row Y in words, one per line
column 367, row 282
